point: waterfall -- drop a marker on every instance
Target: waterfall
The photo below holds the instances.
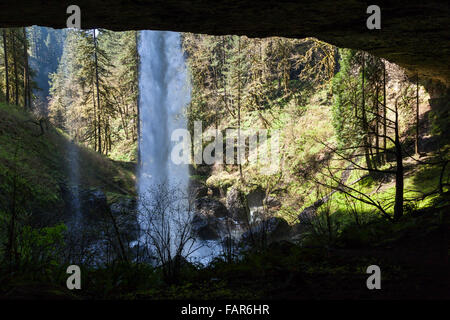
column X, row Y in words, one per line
column 164, row 95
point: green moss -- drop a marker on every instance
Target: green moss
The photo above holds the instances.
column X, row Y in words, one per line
column 222, row 179
column 38, row 163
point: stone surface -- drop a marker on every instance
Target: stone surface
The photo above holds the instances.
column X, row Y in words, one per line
column 235, row 205
column 414, row 33
column 123, row 205
column 197, row 189
column 255, row 203
column 212, row 220
column 93, row 204
column 211, row 207
column 274, row 229
column 96, row 214
column 124, row 211
column 206, row 228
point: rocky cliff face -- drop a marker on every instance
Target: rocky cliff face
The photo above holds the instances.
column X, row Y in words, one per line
column 414, row 34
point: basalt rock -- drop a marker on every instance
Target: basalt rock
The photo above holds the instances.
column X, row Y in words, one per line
column 124, row 211
column 271, row 230
column 236, row 205
column 197, row 188
column 93, row 203
column 255, row 201
column 211, row 207
column 207, row 223
column 212, row 220
column 206, row 228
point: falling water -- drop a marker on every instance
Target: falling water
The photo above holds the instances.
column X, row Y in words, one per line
column 164, row 95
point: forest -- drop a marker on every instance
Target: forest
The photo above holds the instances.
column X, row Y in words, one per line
column 86, row 179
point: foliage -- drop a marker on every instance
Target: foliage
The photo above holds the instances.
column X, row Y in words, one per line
column 103, row 116
column 39, row 250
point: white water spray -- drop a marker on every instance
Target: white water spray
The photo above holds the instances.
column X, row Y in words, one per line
column 164, row 95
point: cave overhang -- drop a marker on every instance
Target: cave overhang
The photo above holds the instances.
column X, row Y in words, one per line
column 414, row 34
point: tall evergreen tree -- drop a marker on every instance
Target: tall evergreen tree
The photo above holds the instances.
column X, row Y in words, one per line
column 6, row 70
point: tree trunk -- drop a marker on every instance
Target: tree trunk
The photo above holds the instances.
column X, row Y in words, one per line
column 286, row 77
column 98, row 94
column 95, row 118
column 398, row 207
column 106, row 148
column 5, row 54
column 239, row 108
column 417, row 116
column 124, row 124
column 225, row 95
column 25, row 71
column 364, row 120
column 138, row 120
column 16, row 77
column 109, row 138
column 384, row 113
column 377, row 126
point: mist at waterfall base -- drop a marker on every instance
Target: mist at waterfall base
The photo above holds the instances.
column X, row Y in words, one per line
column 164, row 95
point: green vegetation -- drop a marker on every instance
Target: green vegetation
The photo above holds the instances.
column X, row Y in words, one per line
column 93, row 94
column 34, row 178
column 345, row 121
column 40, row 158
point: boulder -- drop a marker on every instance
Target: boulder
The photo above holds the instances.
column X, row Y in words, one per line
column 93, row 203
column 255, row 200
column 307, row 214
column 124, row 211
column 211, row 207
column 197, row 188
column 215, row 191
column 274, row 229
column 206, row 228
column 212, row 220
column 123, row 205
column 235, row 205
column 273, row 202
column 282, row 247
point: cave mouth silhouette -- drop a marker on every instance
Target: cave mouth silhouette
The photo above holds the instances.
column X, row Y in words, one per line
column 414, row 34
